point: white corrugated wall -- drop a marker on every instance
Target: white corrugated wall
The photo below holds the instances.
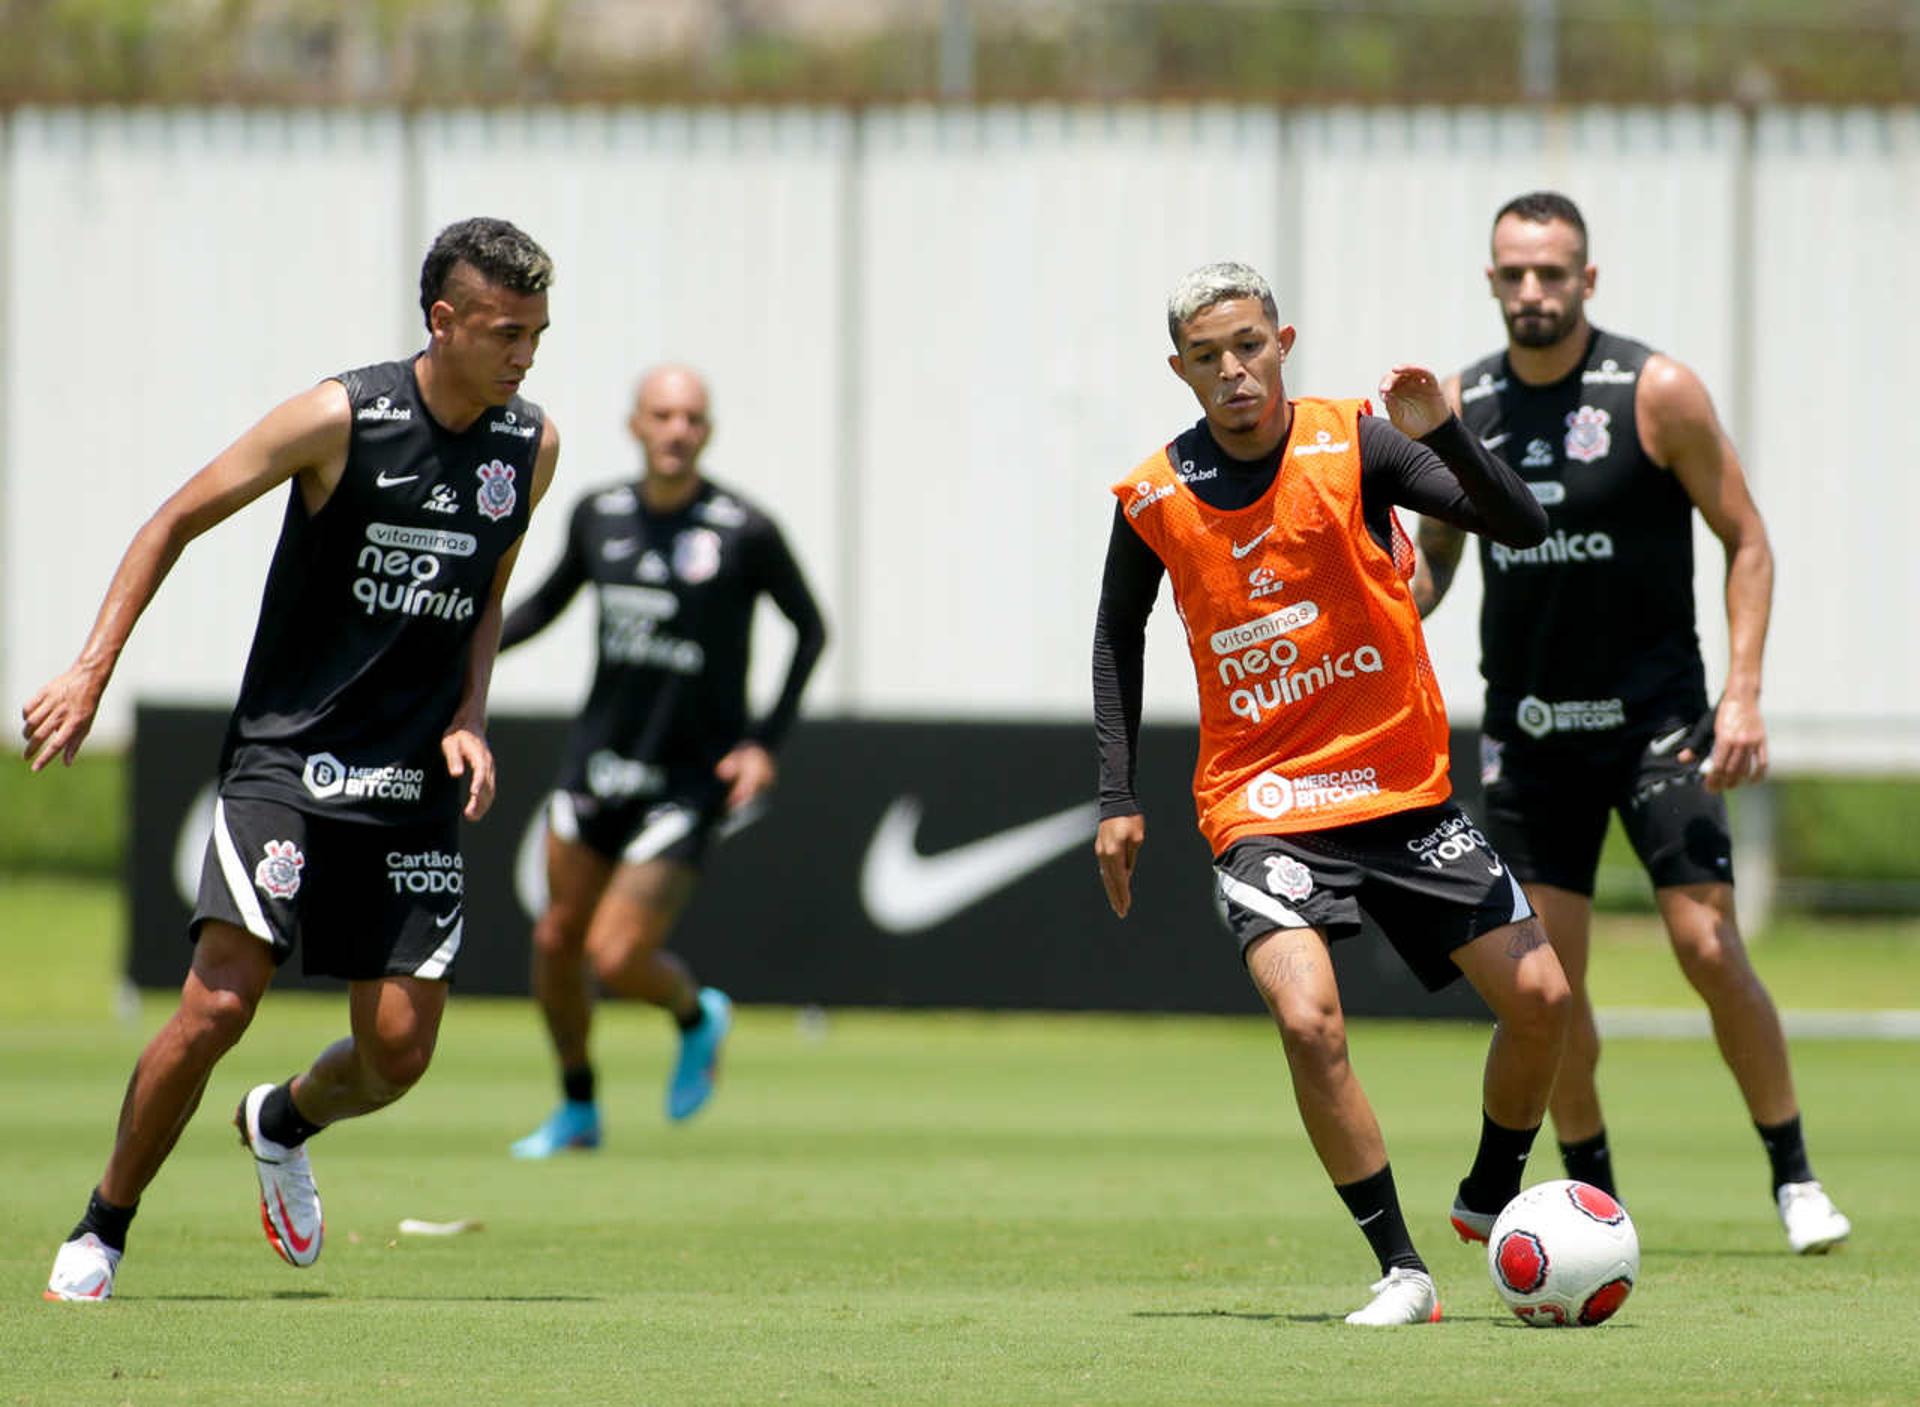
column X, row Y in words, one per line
column 935, row 336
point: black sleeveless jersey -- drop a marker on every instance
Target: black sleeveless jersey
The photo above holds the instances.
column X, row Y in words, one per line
column 360, row 655
column 676, row 594
column 1593, row 629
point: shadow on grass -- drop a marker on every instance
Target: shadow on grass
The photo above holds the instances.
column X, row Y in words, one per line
column 1496, row 1320
column 363, row 1299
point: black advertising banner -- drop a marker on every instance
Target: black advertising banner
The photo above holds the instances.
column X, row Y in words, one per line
column 918, row 863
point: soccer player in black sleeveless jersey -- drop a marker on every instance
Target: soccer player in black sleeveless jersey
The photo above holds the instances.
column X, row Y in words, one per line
column 1596, row 693
column 359, row 739
column 663, row 758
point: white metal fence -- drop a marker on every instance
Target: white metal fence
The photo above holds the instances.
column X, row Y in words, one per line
column 935, row 335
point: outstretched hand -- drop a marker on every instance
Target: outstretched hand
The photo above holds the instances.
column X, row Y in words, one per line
column 57, row 720
column 1413, row 400
column 468, row 755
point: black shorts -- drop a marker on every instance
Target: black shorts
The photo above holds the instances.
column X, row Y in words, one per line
column 681, row 827
column 1427, row 877
column 1547, row 804
column 360, row 901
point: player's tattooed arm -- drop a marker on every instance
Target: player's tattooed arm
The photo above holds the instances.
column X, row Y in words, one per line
column 464, row 744
column 1676, row 420
column 305, row 436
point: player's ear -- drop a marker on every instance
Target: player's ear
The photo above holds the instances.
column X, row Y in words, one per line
column 1285, row 338
column 1173, row 361
column 440, row 319
column 1591, row 276
column 1492, row 287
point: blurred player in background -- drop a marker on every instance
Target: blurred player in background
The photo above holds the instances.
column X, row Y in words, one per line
column 1596, row 695
column 362, row 710
column 662, row 758
column 1322, row 779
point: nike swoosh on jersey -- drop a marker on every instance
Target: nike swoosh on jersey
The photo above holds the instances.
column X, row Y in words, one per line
column 442, row 922
column 1662, row 745
column 1495, row 441
column 616, row 548
column 1259, row 537
column 382, row 481
column 907, row 892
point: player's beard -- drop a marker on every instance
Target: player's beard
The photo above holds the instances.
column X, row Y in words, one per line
column 1540, row 329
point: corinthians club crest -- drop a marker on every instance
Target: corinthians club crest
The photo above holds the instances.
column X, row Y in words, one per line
column 278, row 872
column 1288, row 878
column 496, row 497
column 1587, row 435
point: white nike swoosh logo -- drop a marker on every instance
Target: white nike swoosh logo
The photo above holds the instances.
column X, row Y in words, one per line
column 1495, row 868
column 1239, row 551
column 907, row 892
column 1664, row 745
column 621, row 547
column 1372, row 1216
column 381, row 481
column 443, row 922
column 1495, row 441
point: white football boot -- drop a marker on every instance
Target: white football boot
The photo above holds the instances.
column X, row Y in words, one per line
column 289, row 1202
column 83, row 1271
column 1403, row 1297
column 1814, row 1225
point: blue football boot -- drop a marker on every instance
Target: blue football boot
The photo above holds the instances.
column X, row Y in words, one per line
column 699, row 1062
column 575, row 1124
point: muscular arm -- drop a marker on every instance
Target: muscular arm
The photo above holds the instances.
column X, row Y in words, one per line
column 1676, row 420
column 305, row 436
column 787, row 585
column 464, row 743
column 1128, row 586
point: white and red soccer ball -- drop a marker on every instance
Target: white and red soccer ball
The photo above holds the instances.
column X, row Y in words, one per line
column 1564, row 1255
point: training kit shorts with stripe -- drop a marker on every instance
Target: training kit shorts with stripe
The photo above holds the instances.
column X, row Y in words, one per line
column 1427, row 877
column 360, row 901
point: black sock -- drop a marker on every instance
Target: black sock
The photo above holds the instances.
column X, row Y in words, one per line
column 281, row 1121
column 693, row 1019
column 1588, row 1161
column 1787, row 1150
column 577, row 1084
column 106, row 1221
column 1494, row 1179
column 1376, row 1211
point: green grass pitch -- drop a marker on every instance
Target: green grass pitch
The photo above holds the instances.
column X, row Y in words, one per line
column 911, row 1208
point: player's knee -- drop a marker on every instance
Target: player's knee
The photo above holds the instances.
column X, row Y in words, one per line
column 394, row 1067
column 217, row 1017
column 1541, row 1007
column 559, row 931
column 1713, row 957
column 1312, row 1032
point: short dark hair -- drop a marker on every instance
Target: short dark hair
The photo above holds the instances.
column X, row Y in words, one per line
column 1539, row 207
column 500, row 252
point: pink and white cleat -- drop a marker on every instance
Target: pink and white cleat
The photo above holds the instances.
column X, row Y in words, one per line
column 289, row 1202
column 83, row 1271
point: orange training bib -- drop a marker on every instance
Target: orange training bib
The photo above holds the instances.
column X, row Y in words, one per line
column 1318, row 704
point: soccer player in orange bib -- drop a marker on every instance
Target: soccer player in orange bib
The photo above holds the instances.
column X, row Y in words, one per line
column 1321, row 784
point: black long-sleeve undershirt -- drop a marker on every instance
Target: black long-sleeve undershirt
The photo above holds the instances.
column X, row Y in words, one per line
column 1447, row 474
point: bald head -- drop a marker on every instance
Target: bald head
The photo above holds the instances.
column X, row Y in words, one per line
column 670, row 421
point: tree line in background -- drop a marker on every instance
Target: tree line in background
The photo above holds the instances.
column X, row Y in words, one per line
column 658, row 51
